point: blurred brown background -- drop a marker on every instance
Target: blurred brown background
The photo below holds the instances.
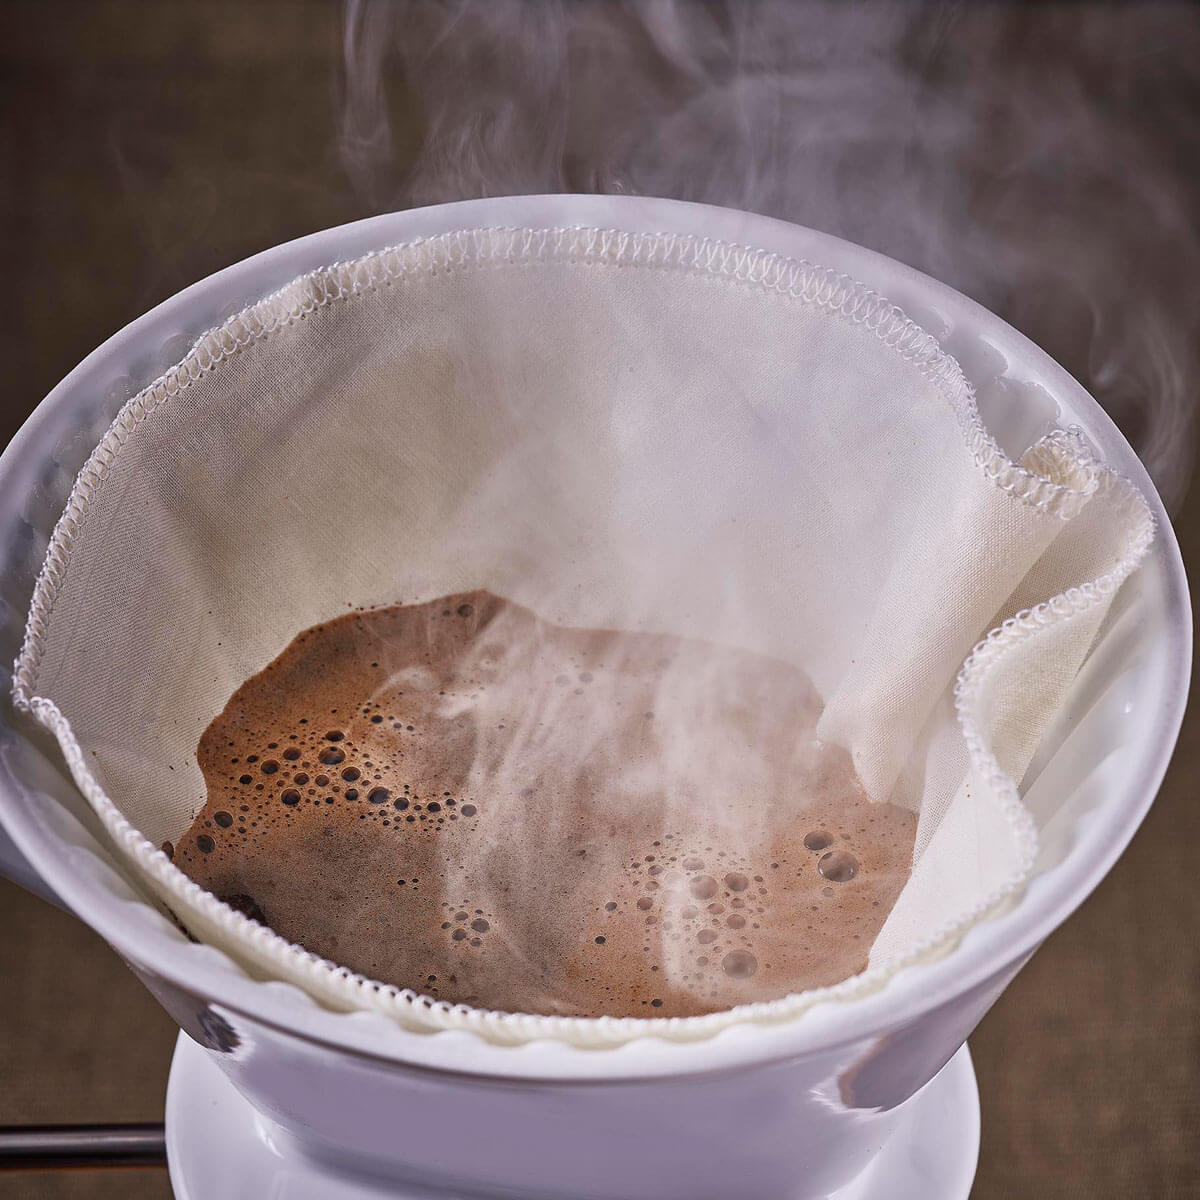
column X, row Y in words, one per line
column 144, row 145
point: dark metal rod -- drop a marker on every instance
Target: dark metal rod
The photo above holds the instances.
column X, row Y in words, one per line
column 33, row 1147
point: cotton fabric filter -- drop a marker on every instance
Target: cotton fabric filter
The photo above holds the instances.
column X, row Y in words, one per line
column 617, row 430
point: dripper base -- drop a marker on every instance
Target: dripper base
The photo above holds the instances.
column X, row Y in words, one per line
column 219, row 1145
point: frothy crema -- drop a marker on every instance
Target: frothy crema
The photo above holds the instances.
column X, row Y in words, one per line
column 464, row 799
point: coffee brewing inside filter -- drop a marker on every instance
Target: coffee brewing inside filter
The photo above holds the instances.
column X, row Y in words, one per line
column 660, row 435
column 686, row 844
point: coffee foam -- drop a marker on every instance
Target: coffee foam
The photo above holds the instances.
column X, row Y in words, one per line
column 464, row 799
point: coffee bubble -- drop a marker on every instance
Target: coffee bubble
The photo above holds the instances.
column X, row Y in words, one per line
column 739, row 964
column 838, row 866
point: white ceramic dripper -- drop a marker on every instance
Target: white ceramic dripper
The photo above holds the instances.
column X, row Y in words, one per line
column 793, row 1109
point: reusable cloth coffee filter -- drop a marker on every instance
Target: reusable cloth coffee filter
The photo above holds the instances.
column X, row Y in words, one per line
column 619, row 431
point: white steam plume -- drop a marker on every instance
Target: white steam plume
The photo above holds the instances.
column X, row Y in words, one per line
column 1036, row 157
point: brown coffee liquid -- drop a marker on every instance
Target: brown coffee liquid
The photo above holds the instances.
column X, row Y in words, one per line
column 464, row 799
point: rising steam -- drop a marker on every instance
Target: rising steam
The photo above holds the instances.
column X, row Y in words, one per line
column 1029, row 157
